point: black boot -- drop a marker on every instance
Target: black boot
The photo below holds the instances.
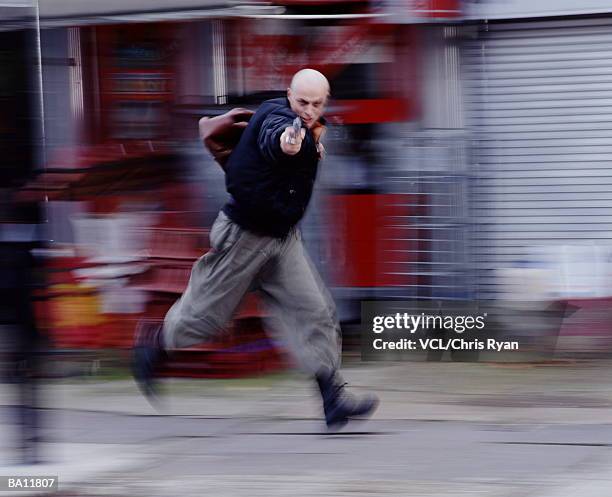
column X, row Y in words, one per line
column 339, row 405
column 148, row 355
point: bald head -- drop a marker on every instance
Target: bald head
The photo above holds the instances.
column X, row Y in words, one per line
column 309, row 78
column 308, row 95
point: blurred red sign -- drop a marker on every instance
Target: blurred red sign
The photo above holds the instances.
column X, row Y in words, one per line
column 380, row 110
column 409, row 11
column 270, row 56
column 433, row 9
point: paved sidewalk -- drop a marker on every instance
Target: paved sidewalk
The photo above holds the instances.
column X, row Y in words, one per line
column 443, row 429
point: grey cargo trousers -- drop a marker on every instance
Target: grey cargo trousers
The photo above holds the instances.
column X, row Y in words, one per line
column 294, row 294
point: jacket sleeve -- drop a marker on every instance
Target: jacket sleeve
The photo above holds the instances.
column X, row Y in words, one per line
column 269, row 137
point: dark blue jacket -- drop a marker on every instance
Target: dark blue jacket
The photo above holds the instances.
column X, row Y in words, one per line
column 270, row 190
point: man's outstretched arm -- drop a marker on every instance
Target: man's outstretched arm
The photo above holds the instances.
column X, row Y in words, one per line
column 277, row 138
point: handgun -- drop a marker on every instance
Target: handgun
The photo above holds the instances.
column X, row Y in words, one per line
column 297, row 126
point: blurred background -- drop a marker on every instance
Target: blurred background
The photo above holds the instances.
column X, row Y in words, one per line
column 468, row 160
column 467, row 153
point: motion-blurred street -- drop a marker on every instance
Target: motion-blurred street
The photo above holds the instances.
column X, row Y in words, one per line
column 467, row 174
column 447, row 429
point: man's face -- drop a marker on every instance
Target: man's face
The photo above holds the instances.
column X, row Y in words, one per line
column 308, row 103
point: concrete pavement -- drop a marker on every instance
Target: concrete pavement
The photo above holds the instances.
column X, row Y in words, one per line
column 443, row 429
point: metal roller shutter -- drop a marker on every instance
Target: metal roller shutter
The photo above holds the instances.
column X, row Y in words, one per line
column 540, row 96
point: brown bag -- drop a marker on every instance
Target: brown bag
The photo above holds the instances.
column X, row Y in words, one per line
column 220, row 134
